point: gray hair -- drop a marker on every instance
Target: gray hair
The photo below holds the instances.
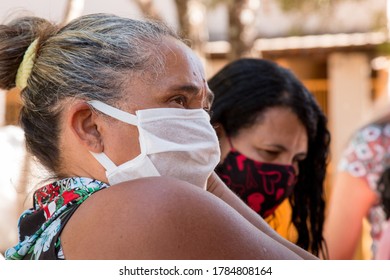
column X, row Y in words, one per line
column 92, row 57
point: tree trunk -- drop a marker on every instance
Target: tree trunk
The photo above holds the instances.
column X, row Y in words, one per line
column 192, row 21
column 191, row 17
column 148, row 9
column 240, row 31
column 183, row 17
column 73, row 9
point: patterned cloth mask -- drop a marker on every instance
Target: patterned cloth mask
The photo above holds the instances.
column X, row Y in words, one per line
column 263, row 186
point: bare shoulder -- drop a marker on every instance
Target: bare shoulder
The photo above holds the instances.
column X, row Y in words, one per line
column 163, row 218
column 354, row 189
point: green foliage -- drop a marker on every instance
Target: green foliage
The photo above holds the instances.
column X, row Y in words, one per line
column 295, row 30
column 288, row 5
column 294, row 5
column 213, row 3
column 380, row 21
column 383, row 49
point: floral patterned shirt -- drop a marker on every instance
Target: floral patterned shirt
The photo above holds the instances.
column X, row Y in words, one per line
column 367, row 156
column 41, row 226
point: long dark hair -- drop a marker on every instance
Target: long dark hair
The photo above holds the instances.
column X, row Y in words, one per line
column 384, row 191
column 243, row 90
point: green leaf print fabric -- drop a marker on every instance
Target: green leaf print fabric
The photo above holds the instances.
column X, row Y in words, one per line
column 40, row 227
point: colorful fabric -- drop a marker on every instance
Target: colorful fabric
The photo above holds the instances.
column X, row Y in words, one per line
column 262, row 186
column 366, row 157
column 40, row 227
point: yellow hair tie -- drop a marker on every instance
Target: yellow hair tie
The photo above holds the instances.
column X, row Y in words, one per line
column 26, row 66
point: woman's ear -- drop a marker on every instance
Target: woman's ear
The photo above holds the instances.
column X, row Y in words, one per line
column 84, row 124
column 219, row 130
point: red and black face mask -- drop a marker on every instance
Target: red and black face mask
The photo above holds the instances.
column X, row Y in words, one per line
column 263, row 186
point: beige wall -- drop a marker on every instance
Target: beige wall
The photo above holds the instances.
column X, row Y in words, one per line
column 349, row 97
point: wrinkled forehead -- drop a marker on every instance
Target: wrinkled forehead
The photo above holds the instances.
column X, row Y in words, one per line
column 176, row 53
column 181, row 66
column 181, row 72
column 171, row 57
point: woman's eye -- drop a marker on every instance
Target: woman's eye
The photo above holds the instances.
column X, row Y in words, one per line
column 268, row 154
column 272, row 153
column 180, row 100
column 299, row 159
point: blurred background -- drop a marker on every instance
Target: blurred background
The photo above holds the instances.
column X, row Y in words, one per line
column 338, row 48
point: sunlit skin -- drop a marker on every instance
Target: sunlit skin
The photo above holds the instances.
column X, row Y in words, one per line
column 276, row 137
column 182, row 84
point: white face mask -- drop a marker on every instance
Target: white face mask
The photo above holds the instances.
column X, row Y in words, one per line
column 179, row 143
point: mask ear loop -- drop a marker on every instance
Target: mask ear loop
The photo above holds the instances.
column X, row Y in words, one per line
column 125, row 117
column 105, row 161
column 114, row 112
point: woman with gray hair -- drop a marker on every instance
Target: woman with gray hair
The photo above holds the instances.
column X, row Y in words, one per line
column 114, row 108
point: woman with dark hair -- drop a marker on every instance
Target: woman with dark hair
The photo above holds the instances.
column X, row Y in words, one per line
column 274, row 144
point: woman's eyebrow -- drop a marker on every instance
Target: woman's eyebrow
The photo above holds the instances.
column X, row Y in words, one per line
column 278, row 146
column 188, row 88
column 283, row 149
column 193, row 90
